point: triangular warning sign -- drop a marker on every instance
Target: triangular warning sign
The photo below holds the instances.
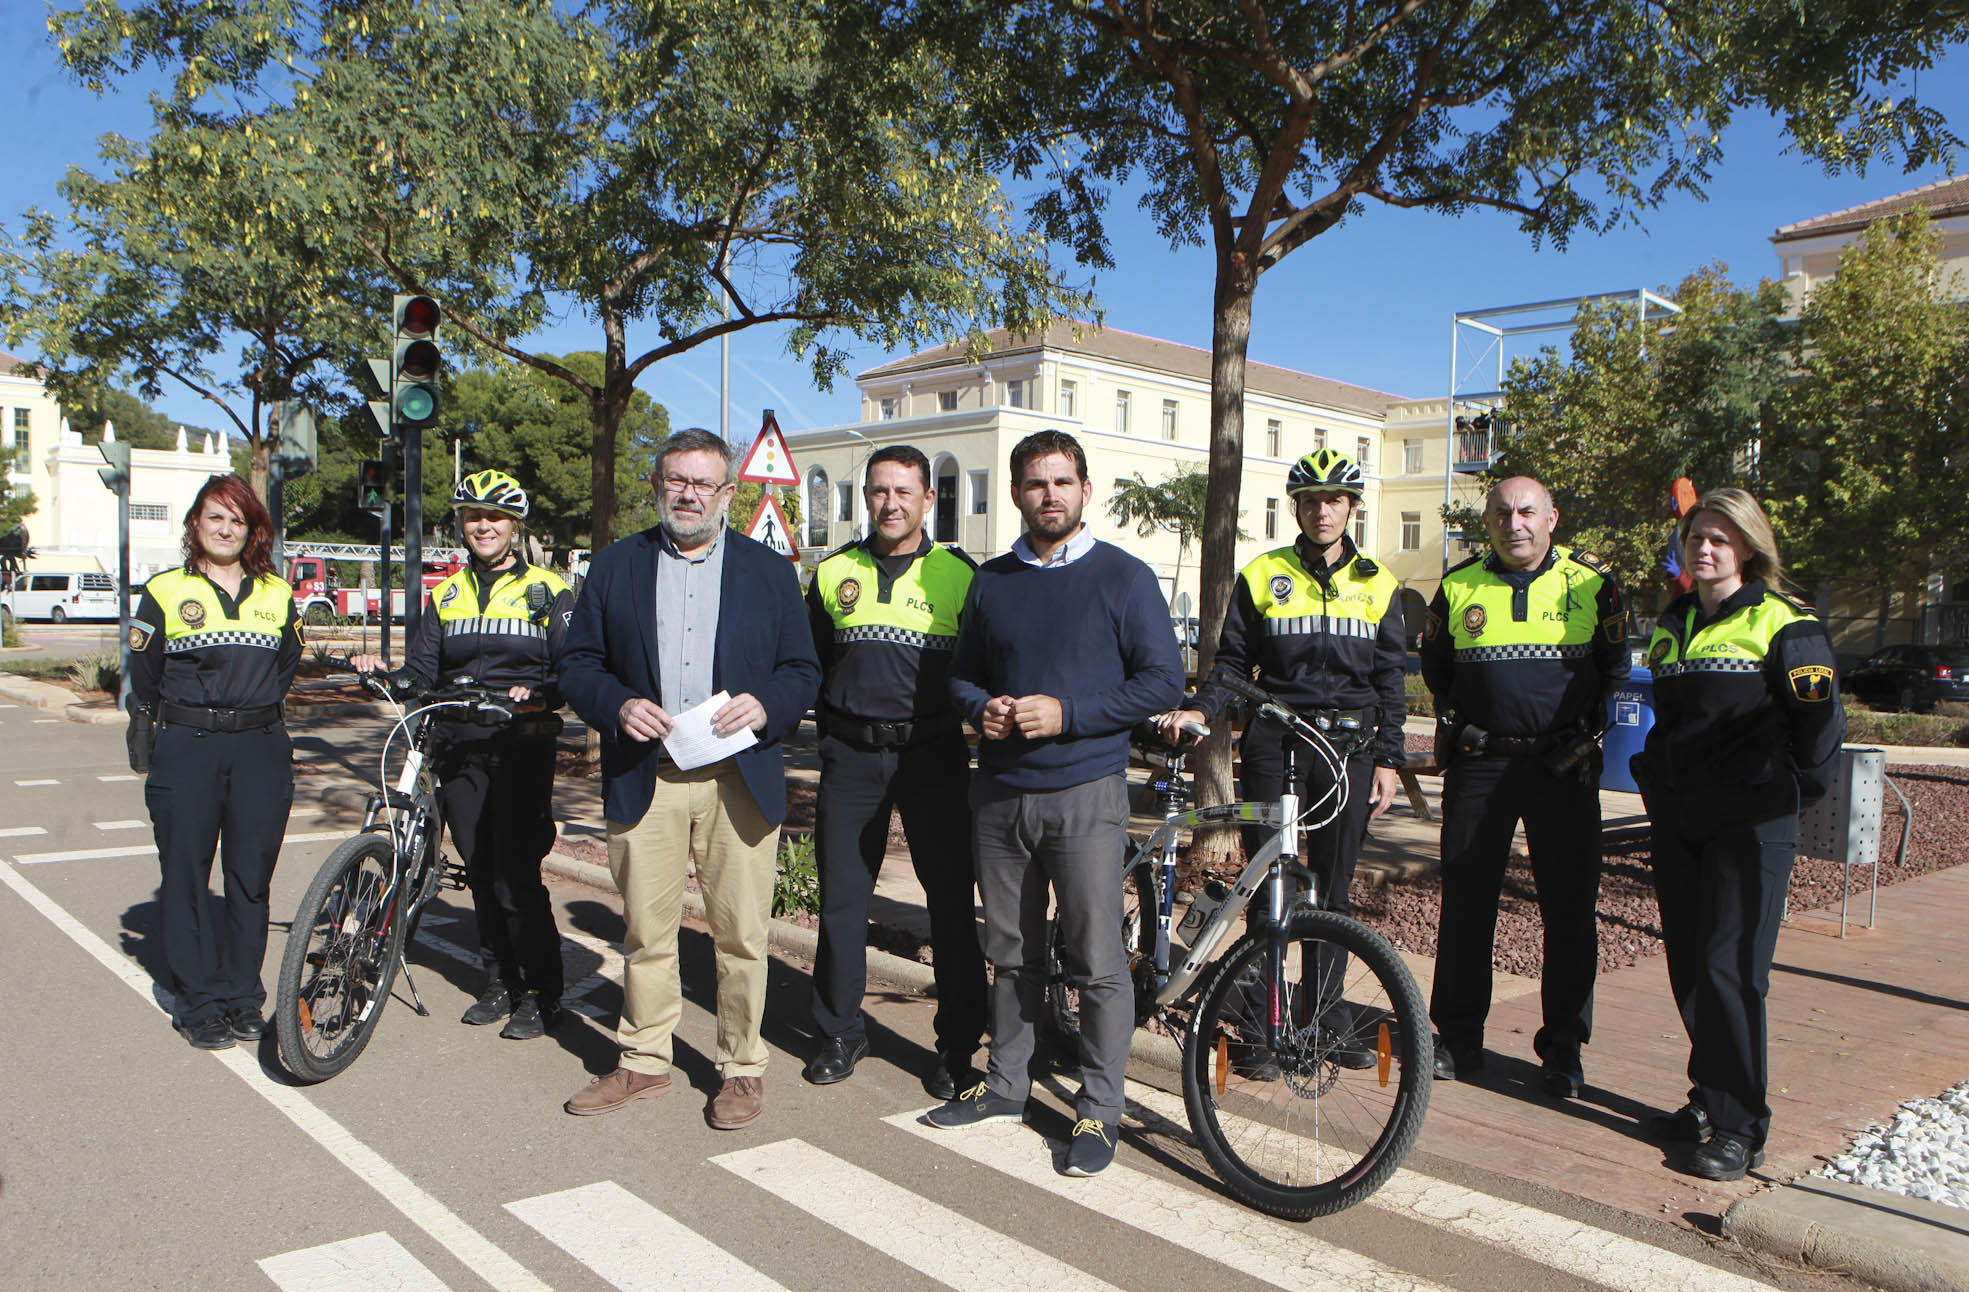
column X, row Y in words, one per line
column 769, row 527
column 769, row 461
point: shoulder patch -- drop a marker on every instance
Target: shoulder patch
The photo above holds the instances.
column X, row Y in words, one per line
column 1811, row 683
column 1593, row 562
column 140, row 633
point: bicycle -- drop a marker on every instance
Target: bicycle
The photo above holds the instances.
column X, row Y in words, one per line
column 347, row 942
column 1305, row 1083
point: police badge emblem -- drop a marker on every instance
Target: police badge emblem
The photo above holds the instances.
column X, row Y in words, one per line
column 192, row 611
column 1281, row 587
column 1658, row 652
column 450, row 595
column 848, row 593
column 139, row 635
column 1474, row 619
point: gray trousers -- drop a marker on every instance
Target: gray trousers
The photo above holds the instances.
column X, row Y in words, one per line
column 1072, row 840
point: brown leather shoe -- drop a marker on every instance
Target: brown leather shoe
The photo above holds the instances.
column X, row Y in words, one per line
column 737, row 1102
column 606, row 1094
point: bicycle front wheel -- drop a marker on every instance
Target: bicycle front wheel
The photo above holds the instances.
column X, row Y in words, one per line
column 1320, row 1121
column 340, row 961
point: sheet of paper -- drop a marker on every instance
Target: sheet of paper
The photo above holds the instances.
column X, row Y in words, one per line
column 693, row 743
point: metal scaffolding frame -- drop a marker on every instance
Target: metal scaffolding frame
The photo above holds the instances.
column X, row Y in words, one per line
column 1482, row 350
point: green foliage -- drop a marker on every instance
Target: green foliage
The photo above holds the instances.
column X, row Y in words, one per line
column 796, row 885
column 1173, row 507
column 1421, row 704
column 1639, row 404
column 137, row 423
column 9, row 630
column 1866, row 461
column 1866, row 727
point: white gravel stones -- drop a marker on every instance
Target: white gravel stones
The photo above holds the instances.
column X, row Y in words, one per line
column 1924, row 1153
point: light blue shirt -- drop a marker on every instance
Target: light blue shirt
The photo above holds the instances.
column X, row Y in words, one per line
column 687, row 592
column 1078, row 544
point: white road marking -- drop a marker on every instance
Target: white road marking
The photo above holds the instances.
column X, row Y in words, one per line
column 122, row 776
column 122, row 825
column 1571, row 1246
column 21, row 831
column 352, row 1265
column 9, row 706
column 150, row 849
column 634, row 1246
column 1217, row 1230
column 931, row 1239
column 33, row 784
column 45, row 722
column 472, row 1248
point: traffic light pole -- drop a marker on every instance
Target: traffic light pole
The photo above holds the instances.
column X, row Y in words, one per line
column 123, row 590
column 384, row 571
column 413, row 530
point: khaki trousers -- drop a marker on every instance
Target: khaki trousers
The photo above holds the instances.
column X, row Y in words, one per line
column 707, row 816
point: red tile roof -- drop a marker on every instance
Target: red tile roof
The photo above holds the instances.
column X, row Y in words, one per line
column 1944, row 197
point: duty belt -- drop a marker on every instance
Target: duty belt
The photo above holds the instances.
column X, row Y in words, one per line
column 888, row 735
column 208, row 719
column 1526, row 746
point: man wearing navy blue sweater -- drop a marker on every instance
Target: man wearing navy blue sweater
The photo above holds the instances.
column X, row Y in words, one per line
column 1065, row 646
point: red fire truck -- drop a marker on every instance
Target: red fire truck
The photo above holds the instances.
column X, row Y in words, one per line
column 319, row 597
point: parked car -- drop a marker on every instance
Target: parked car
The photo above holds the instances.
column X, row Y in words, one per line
column 1911, row 678
column 63, row 595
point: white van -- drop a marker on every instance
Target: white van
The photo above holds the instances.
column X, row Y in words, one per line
column 63, row 595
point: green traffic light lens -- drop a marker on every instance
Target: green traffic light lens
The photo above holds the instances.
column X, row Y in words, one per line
column 417, row 405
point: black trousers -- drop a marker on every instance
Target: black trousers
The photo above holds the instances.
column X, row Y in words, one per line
column 224, row 792
column 929, row 784
column 1483, row 801
column 1721, row 881
column 497, row 796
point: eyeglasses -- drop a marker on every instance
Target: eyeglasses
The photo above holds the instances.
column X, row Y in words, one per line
column 682, row 484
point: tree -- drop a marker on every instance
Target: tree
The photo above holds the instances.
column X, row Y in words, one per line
column 1867, row 460
column 1173, row 507
column 1261, row 127
column 810, row 164
column 1637, row 405
column 137, row 424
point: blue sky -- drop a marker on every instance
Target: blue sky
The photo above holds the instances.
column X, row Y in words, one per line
column 1369, row 302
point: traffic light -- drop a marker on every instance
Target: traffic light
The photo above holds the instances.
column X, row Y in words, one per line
column 372, row 485
column 117, row 473
column 295, row 441
column 414, row 398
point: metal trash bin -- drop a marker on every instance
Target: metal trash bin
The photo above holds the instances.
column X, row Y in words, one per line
column 1630, row 713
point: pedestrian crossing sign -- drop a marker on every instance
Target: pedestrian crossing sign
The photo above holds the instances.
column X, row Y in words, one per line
column 769, row 460
column 769, row 527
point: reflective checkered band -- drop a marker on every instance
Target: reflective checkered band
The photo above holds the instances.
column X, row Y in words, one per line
column 226, row 637
column 493, row 628
column 1486, row 654
column 1306, row 625
column 1700, row 665
column 894, row 635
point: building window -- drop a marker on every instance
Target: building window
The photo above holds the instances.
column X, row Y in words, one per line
column 1017, row 394
column 844, row 501
column 1271, row 518
column 980, row 495
column 1319, row 438
column 1360, row 527
column 1168, row 419
column 149, row 511
column 1361, row 447
column 888, row 409
column 817, row 508
column 1069, row 396
column 947, row 401
column 1121, row 412
column 1274, row 432
column 21, row 464
column 944, row 472
column 1412, row 457
column 1411, row 531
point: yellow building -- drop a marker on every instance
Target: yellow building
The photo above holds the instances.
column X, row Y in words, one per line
column 30, row 424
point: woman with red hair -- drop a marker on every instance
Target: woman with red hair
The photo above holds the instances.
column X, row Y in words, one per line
column 213, row 649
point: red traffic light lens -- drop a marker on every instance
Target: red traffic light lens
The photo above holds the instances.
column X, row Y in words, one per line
column 420, row 316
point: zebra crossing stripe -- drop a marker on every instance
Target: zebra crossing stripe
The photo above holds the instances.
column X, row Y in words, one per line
column 1612, row 1260
column 352, row 1265
column 634, row 1246
column 1212, row 1228
column 931, row 1239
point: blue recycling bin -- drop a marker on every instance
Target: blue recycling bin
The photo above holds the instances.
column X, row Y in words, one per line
column 1630, row 712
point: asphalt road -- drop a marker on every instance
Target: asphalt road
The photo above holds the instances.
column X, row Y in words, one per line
column 442, row 1159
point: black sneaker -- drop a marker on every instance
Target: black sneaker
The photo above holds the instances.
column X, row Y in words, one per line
column 207, row 1033
column 1091, row 1149
column 532, row 1017
column 246, row 1024
column 493, row 1004
column 974, row 1107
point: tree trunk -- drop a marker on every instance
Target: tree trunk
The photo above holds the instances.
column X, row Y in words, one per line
column 260, row 454
column 1217, row 567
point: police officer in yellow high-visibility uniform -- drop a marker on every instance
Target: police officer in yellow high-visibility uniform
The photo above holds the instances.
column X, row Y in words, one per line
column 1523, row 647
column 502, row 621
column 884, row 611
column 1747, row 732
column 214, row 645
column 1322, row 625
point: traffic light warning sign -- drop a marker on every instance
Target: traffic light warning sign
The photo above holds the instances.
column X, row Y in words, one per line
column 769, row 527
column 769, row 460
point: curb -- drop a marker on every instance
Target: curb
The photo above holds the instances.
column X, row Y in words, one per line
column 1891, row 1242
column 1146, row 1047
